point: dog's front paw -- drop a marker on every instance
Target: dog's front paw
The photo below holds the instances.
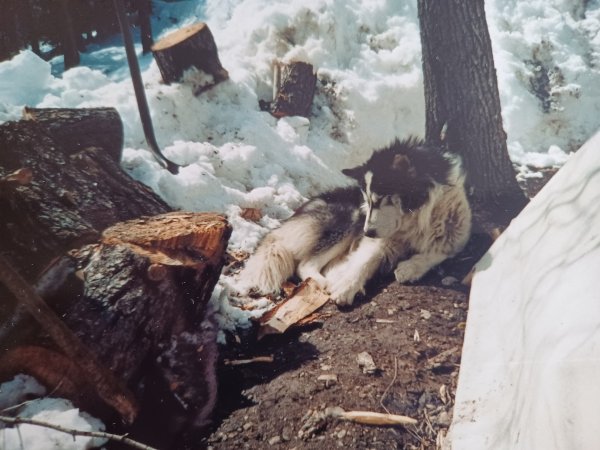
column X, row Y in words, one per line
column 406, row 272
column 343, row 292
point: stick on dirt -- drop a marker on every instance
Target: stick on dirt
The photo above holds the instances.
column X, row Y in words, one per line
column 370, row 418
column 96, row 434
column 109, row 388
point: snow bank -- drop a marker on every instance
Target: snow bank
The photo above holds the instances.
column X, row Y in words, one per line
column 531, row 356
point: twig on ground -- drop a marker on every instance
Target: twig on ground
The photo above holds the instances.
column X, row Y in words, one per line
column 239, row 362
column 370, row 418
column 389, row 385
column 97, row 434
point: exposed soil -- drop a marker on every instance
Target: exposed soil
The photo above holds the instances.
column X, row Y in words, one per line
column 414, row 334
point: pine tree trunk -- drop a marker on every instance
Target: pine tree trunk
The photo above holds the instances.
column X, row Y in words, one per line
column 461, row 90
column 144, row 8
column 69, row 38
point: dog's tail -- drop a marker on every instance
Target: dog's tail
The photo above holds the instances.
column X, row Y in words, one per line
column 268, row 267
column 456, row 174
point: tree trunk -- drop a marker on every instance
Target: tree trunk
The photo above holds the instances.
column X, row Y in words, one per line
column 74, row 129
column 144, row 8
column 461, row 91
column 295, row 89
column 192, row 46
column 69, row 40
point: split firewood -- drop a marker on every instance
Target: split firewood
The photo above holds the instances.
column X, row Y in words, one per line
column 306, row 299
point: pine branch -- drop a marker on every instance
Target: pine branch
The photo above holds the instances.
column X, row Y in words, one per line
column 96, row 434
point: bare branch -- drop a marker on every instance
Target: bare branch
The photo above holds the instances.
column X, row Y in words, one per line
column 96, row 434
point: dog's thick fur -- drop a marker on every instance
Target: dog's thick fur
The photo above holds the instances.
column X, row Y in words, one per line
column 408, row 214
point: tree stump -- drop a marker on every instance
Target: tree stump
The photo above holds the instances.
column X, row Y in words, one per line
column 296, row 83
column 74, row 129
column 144, row 305
column 192, row 46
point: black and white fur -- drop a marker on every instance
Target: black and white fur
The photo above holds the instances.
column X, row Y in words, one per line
column 408, row 213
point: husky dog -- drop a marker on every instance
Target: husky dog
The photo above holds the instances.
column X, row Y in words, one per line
column 408, row 213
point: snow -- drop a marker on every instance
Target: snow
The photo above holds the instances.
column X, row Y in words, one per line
column 531, row 357
column 53, row 410
column 369, row 91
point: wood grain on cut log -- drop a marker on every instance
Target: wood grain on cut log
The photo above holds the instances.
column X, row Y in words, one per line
column 147, row 286
column 297, row 83
column 74, row 129
column 192, row 46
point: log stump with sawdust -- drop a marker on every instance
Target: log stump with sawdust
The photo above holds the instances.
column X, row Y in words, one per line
column 295, row 85
column 192, row 46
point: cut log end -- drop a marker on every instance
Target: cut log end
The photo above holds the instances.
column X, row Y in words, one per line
column 192, row 46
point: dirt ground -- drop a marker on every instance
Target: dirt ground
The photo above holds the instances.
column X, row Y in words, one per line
column 414, row 335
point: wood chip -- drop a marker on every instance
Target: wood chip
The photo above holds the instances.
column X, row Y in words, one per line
column 251, row 214
column 306, row 299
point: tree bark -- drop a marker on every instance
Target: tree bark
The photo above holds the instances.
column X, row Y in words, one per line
column 144, row 304
column 69, row 39
column 144, row 8
column 74, row 129
column 297, row 82
column 461, row 90
column 72, row 197
column 192, row 46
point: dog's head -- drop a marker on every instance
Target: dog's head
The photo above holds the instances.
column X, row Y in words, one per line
column 395, row 181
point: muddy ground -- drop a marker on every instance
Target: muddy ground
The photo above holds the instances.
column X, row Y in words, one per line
column 414, row 335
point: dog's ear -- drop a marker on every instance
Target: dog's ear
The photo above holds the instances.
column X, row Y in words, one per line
column 356, row 172
column 401, row 163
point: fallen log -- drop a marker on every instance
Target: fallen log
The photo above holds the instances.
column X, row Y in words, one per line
column 192, row 46
column 295, row 84
column 75, row 129
column 71, row 195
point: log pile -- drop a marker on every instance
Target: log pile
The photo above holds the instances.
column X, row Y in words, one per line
column 129, row 277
